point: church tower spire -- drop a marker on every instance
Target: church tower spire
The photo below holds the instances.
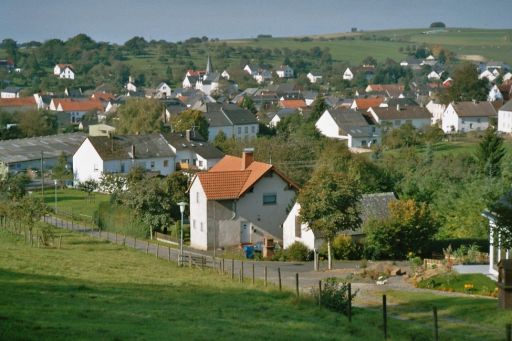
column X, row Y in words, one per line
column 209, row 66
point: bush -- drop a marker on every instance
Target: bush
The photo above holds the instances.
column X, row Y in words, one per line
column 344, row 247
column 437, row 246
column 334, row 295
column 297, row 252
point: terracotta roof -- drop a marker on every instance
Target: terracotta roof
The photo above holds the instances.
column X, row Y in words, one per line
column 293, row 103
column 73, row 105
column 103, row 96
column 366, row 103
column 227, row 180
column 63, row 66
column 17, row 102
column 474, row 109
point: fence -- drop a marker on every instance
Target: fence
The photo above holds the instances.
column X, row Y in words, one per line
column 236, row 270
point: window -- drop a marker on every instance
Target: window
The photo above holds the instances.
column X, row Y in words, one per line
column 471, row 126
column 152, row 164
column 166, row 163
column 197, row 197
column 122, row 167
column 408, row 121
column 253, row 129
column 200, row 163
column 246, row 130
column 298, row 227
column 239, row 130
column 397, row 122
column 269, row 199
column 194, row 224
column 478, row 120
column 201, row 228
column 95, row 167
column 363, row 143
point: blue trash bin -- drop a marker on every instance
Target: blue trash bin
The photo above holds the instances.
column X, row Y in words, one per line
column 249, row 251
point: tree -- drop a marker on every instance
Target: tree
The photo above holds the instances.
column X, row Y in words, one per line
column 409, row 228
column 490, row 153
column 437, row 24
column 140, row 116
column 248, row 103
column 329, row 204
column 317, row 108
column 37, row 123
column 112, row 184
column 190, row 120
column 88, row 187
column 60, row 171
column 12, row 187
column 30, row 210
column 466, row 86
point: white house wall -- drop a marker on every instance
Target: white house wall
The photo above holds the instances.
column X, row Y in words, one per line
column 198, row 216
column 505, row 121
column 327, row 126
column 87, row 163
column 307, row 236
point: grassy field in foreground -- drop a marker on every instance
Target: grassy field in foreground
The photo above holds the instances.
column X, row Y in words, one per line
column 93, row 289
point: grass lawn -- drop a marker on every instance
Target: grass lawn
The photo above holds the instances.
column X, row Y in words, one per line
column 74, row 201
column 481, row 285
column 93, row 289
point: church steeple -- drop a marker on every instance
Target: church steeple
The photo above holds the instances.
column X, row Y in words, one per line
column 209, row 66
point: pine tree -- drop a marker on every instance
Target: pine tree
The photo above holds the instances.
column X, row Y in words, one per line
column 490, row 153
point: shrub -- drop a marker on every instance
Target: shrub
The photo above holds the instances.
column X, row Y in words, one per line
column 344, row 247
column 334, row 295
column 297, row 252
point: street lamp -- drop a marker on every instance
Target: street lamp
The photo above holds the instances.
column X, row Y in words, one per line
column 182, row 210
column 55, row 183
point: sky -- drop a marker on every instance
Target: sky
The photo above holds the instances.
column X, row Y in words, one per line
column 119, row 20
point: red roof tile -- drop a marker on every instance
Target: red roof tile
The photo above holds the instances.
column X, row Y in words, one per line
column 17, row 102
column 228, row 180
column 366, row 103
column 71, row 105
column 292, row 103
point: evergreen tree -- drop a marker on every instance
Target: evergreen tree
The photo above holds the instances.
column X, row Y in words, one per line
column 490, row 153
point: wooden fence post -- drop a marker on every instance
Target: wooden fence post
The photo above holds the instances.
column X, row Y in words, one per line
column 232, row 269
column 297, row 284
column 60, row 240
column 508, row 332
column 189, row 261
column 436, row 327
column 147, row 247
column 349, row 310
column 116, row 237
column 385, row 316
column 157, row 249
column 169, row 253
column 134, row 242
column 124, row 239
column 241, row 278
column 320, row 292
column 265, row 275
column 242, row 271
column 279, row 278
column 223, row 265
column 253, row 275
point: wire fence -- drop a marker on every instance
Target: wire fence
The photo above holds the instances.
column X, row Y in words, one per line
column 255, row 273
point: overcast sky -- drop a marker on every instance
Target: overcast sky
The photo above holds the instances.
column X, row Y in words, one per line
column 119, row 20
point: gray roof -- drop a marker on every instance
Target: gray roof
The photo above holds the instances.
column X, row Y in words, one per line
column 474, row 109
column 346, row 118
column 28, row 149
column 221, row 115
column 373, row 207
column 196, row 144
column 507, row 106
column 119, row 147
column 402, row 113
column 12, row 89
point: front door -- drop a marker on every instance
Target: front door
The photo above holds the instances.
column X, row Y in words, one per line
column 245, row 233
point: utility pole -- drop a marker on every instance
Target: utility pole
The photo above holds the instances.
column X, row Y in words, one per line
column 42, row 175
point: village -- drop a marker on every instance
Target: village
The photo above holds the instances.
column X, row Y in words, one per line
column 386, row 177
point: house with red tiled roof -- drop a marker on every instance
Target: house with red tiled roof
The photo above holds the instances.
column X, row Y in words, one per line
column 293, row 103
column 238, row 201
column 366, row 103
column 74, row 109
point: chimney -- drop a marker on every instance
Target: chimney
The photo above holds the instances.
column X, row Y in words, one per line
column 133, row 152
column 247, row 157
column 187, row 135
